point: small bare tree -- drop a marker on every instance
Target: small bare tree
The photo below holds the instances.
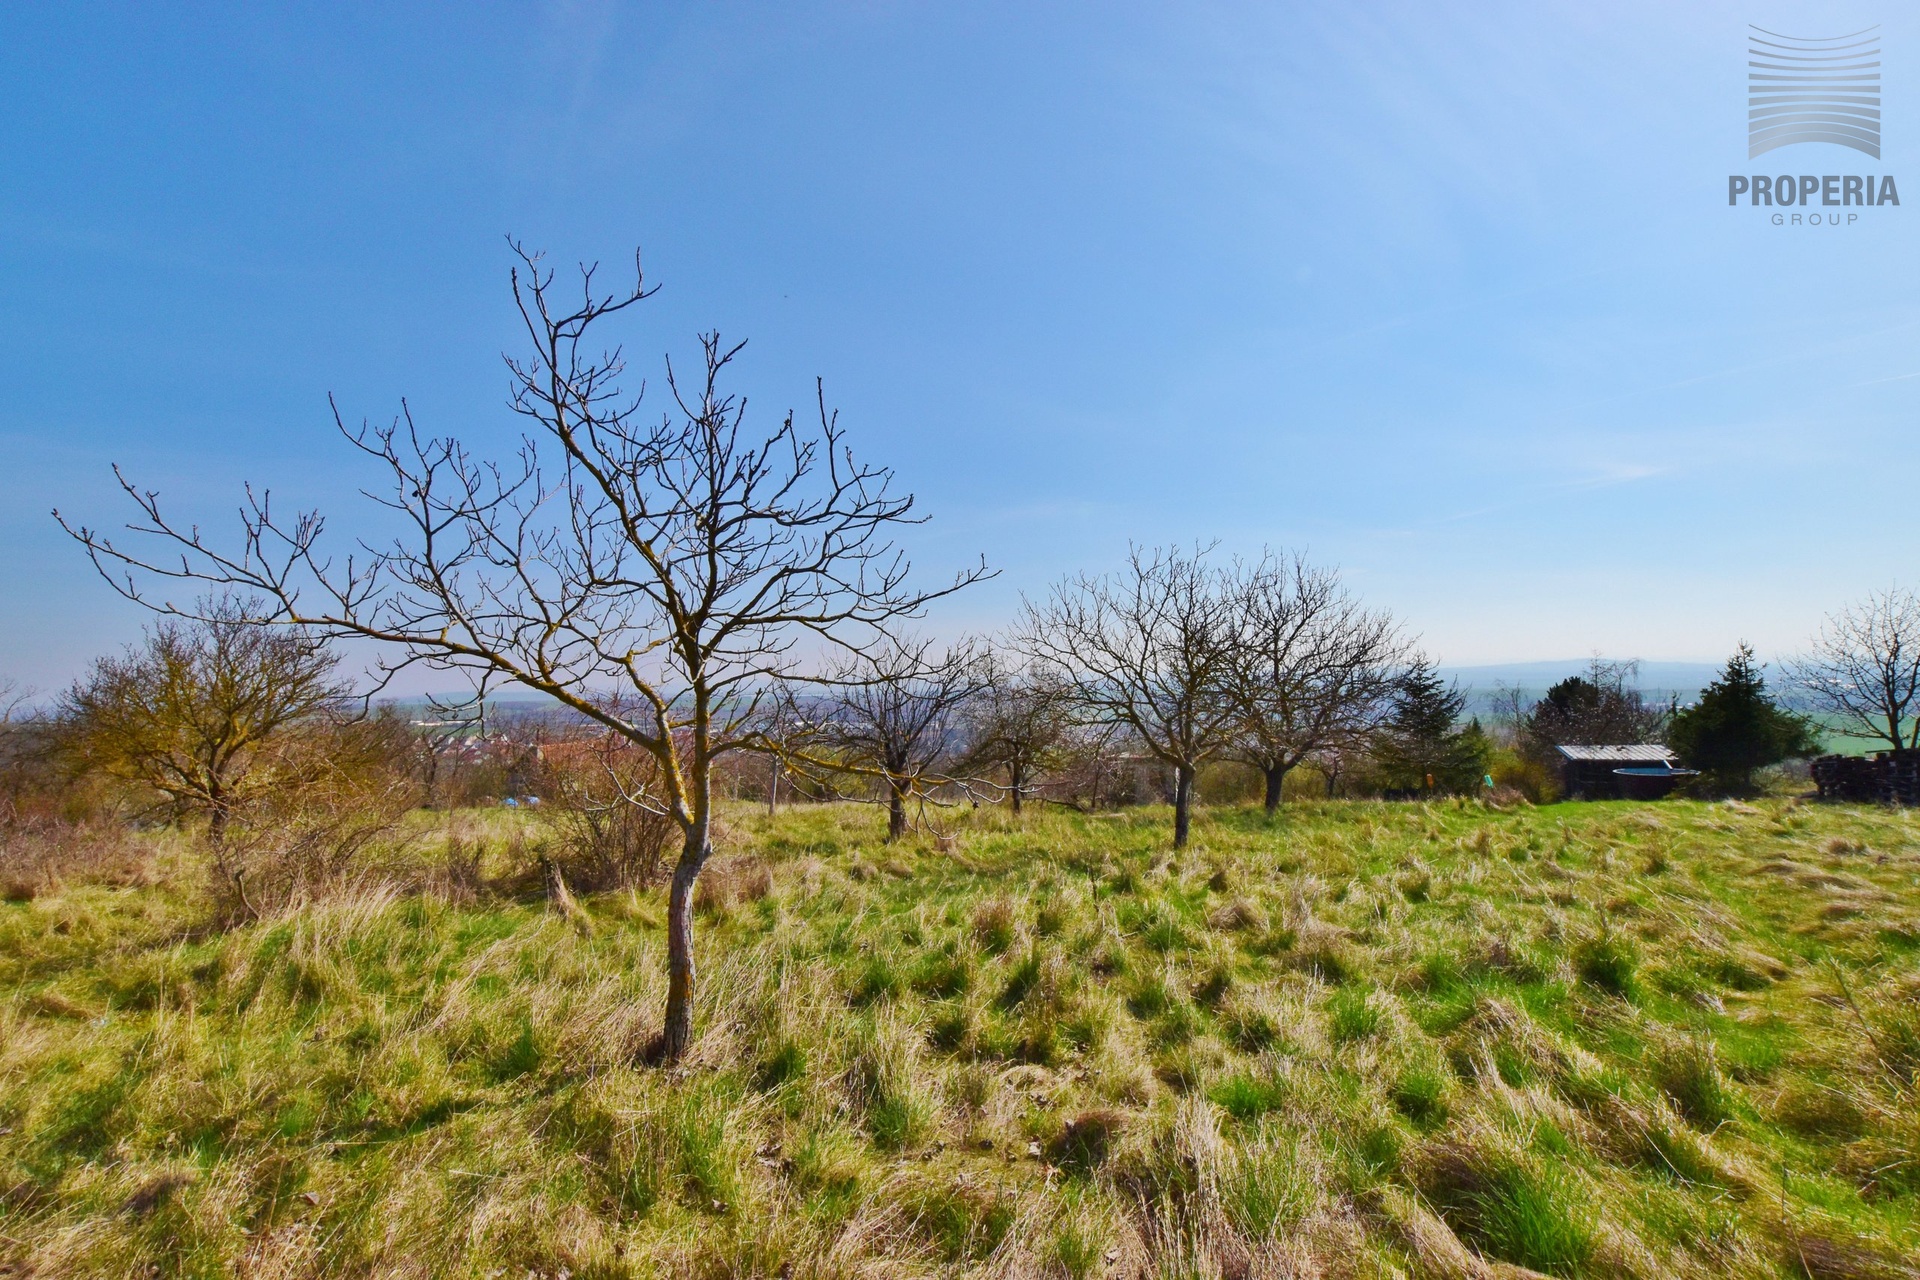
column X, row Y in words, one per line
column 1020, row 724
column 1312, row 668
column 891, row 715
column 13, row 699
column 1149, row 649
column 1863, row 669
column 652, row 573
column 451, row 725
column 191, row 713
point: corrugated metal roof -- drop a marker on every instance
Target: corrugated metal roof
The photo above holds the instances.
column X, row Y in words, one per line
column 1647, row 754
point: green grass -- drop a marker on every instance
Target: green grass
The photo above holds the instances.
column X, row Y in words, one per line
column 1360, row 1039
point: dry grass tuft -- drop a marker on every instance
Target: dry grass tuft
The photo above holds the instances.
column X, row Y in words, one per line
column 1821, row 1256
column 156, row 1191
column 1239, row 914
column 732, row 883
column 996, row 923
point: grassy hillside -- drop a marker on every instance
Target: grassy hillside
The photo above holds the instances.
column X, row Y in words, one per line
column 1588, row 1040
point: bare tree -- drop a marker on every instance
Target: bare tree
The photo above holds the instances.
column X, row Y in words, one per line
column 1148, row 648
column 13, row 699
column 1864, row 669
column 28, row 751
column 192, row 711
column 1508, row 707
column 1337, row 758
column 451, row 726
column 1020, row 724
column 891, row 715
column 652, row 573
column 1312, row 668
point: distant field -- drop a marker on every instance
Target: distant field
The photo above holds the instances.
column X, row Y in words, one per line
column 1360, row 1040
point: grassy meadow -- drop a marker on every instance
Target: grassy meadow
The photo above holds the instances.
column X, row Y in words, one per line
column 1360, row 1039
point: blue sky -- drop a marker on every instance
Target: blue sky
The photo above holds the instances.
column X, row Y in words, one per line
column 1451, row 298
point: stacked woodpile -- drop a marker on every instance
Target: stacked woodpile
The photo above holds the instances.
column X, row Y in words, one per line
column 1886, row 777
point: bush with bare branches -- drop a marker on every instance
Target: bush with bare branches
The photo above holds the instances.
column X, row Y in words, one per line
column 42, row 853
column 334, row 821
column 612, row 827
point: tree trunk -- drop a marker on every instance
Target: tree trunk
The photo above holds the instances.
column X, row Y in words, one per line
column 773, row 787
column 896, row 811
column 1182, row 804
column 678, row 1032
column 1276, row 776
column 1016, row 779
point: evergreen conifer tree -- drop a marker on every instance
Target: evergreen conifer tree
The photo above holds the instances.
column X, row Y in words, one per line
column 1737, row 727
column 1420, row 747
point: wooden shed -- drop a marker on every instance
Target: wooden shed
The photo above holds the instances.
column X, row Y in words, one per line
column 1587, row 772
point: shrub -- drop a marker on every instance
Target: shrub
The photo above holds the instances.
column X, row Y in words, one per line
column 197, row 719
column 41, row 855
column 611, row 830
column 1533, row 779
column 306, row 842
